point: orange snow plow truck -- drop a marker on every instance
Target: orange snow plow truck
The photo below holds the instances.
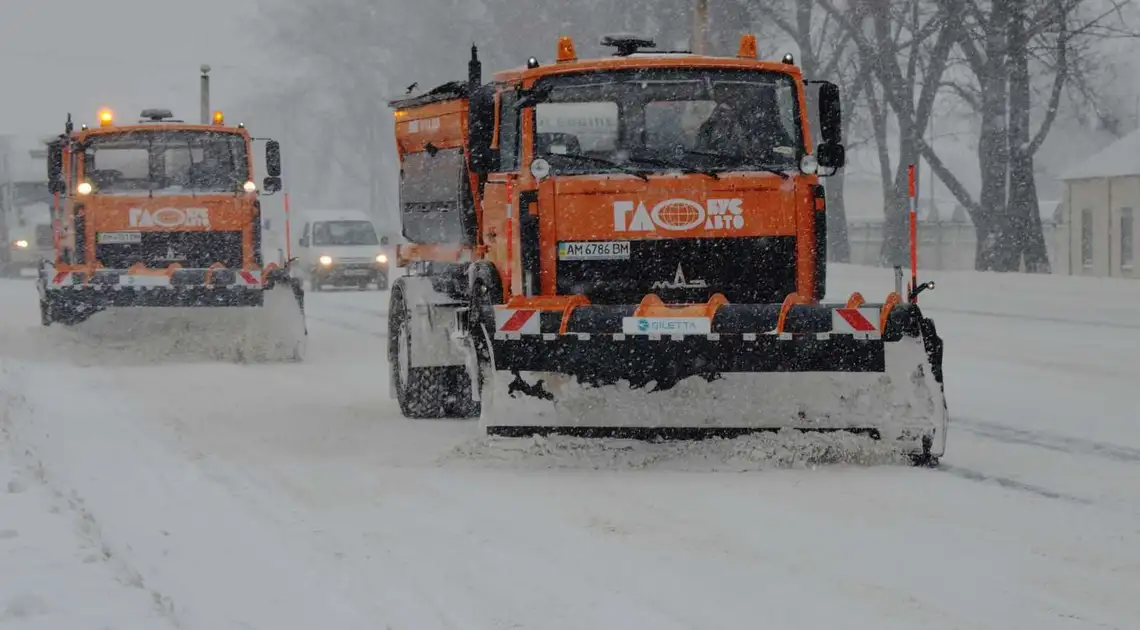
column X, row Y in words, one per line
column 160, row 222
column 634, row 247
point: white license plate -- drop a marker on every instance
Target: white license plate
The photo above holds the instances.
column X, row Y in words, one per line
column 119, row 238
column 594, row 250
column 357, row 272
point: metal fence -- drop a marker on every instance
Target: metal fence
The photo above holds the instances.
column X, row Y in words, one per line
column 948, row 246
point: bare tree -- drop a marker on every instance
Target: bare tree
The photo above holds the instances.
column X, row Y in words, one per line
column 995, row 43
column 1008, row 46
column 906, row 46
column 825, row 52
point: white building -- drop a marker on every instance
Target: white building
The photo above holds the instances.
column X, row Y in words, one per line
column 1102, row 196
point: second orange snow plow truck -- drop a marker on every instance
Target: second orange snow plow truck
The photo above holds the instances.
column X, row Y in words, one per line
column 634, row 246
column 161, row 221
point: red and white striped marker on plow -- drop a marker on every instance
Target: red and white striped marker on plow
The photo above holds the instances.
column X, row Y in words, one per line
column 855, row 320
column 524, row 321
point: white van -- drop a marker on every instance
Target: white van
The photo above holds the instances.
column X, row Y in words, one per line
column 341, row 248
column 28, row 240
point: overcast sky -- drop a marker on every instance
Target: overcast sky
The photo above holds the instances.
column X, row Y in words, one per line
column 60, row 56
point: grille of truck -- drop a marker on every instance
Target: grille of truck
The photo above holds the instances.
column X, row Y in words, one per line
column 745, row 270
column 192, row 250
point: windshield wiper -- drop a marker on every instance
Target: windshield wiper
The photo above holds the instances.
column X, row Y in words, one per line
column 587, row 158
column 741, row 158
column 685, row 168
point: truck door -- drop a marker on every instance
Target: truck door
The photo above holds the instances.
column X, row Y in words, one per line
column 500, row 195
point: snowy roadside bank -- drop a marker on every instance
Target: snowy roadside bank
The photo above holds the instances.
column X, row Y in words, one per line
column 55, row 571
column 191, row 550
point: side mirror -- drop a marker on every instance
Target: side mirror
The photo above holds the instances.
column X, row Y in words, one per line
column 383, row 240
column 271, row 184
column 830, row 114
column 273, row 158
column 304, row 242
column 481, row 130
column 832, row 156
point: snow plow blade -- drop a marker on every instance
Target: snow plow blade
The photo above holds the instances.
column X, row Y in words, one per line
column 652, row 371
column 257, row 314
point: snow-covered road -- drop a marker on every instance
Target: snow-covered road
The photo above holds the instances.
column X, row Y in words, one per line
column 296, row 496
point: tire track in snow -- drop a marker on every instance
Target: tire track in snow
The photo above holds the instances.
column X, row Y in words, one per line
column 970, row 474
column 1034, row 318
column 1049, row 441
column 348, row 326
column 380, row 312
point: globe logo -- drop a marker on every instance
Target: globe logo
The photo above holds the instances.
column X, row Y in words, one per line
column 678, row 214
column 643, row 325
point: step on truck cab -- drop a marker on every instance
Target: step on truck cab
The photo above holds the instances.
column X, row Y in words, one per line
column 635, row 246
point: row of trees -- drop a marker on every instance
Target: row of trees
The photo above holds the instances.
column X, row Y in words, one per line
column 1014, row 67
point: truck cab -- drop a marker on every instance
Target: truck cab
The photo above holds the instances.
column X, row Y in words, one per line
column 342, row 248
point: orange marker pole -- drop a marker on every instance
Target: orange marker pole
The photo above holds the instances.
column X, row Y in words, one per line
column 912, row 186
column 510, row 236
column 56, row 227
column 288, row 234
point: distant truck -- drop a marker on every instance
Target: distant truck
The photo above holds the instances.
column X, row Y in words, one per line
column 162, row 217
column 341, row 248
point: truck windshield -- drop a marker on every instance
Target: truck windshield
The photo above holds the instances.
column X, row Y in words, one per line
column 167, row 162
column 344, row 233
column 656, row 120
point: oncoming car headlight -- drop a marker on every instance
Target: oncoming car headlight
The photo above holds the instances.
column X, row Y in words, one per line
column 22, row 244
column 84, row 188
column 381, row 258
column 325, row 260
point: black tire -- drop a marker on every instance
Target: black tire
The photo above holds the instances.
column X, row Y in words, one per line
column 432, row 392
column 482, row 299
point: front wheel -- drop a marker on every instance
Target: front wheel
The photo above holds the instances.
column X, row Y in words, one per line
column 423, row 392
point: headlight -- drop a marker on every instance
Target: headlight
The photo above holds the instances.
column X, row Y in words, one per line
column 325, row 260
column 84, row 188
column 381, row 259
column 21, row 243
column 249, row 187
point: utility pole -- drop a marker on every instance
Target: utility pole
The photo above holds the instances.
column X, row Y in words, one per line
column 6, row 197
column 700, row 26
column 205, row 94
